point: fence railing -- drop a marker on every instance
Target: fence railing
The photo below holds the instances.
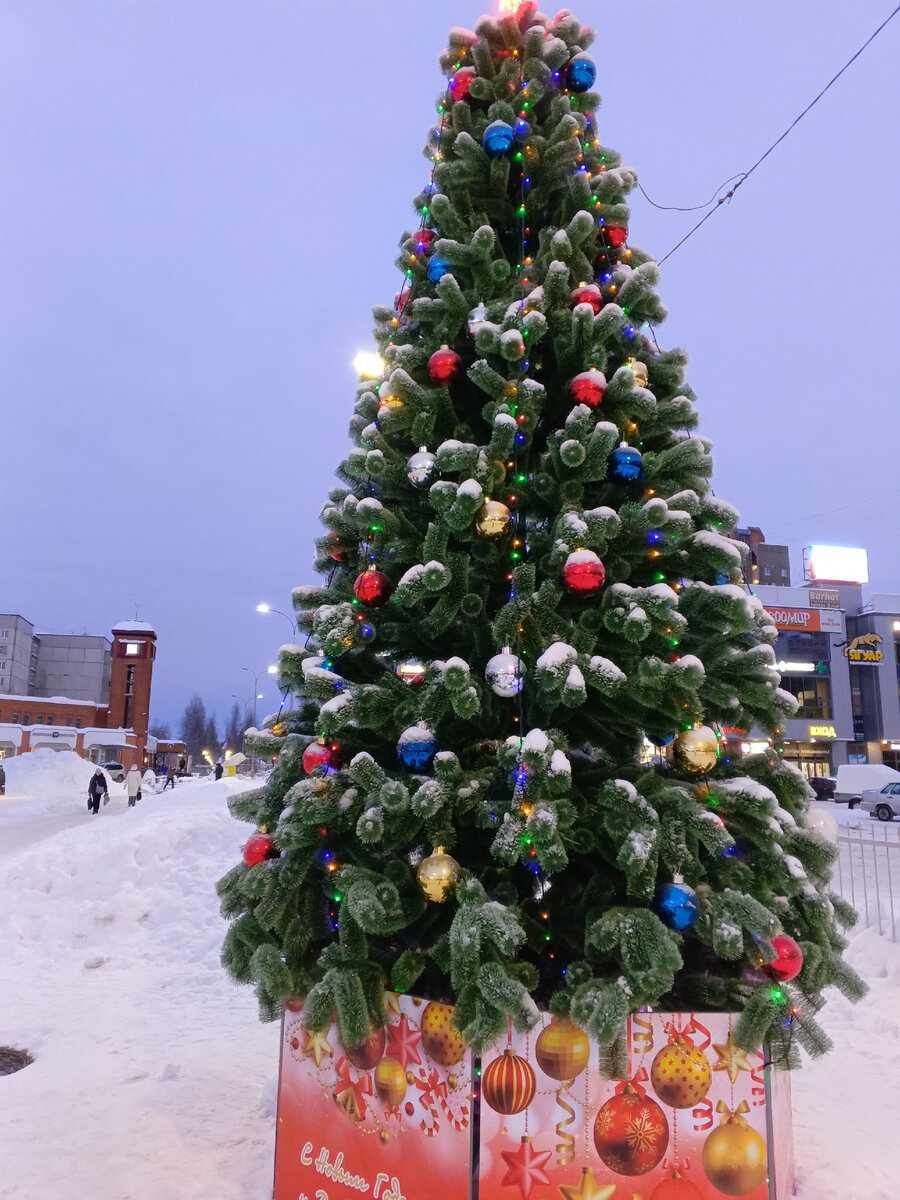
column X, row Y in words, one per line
column 867, row 874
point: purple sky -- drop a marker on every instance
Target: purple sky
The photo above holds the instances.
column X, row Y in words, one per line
column 200, row 202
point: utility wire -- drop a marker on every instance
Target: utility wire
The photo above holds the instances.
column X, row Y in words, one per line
column 744, row 176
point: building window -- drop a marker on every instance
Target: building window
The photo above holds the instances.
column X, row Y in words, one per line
column 2, row 664
column 68, row 720
column 15, row 718
column 51, row 719
column 813, row 693
column 4, row 633
column 40, row 719
column 132, row 649
column 78, row 722
column 26, row 719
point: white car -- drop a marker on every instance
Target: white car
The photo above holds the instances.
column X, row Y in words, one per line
column 885, row 804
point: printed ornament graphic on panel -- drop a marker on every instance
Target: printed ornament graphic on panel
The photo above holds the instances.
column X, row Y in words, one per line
column 385, row 1113
column 686, row 1122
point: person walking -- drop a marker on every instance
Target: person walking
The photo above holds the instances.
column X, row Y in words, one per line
column 219, row 769
column 97, row 788
column 170, row 778
column 133, row 784
column 2, row 780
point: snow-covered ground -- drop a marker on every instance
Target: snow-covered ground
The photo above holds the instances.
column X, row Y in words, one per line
column 154, row 1080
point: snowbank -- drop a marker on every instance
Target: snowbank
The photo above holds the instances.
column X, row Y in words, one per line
column 152, row 1075
column 46, row 774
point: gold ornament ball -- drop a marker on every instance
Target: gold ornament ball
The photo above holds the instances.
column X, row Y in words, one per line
column 453, row 1081
column 493, row 519
column 562, row 1050
column 390, row 1082
column 410, row 1077
column 734, row 1158
column 440, row 1038
column 384, row 1136
column 681, row 1074
column 696, row 750
column 437, row 876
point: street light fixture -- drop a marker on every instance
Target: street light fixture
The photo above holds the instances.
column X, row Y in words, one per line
column 267, row 608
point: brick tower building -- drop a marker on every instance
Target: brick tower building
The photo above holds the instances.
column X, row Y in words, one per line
column 133, row 653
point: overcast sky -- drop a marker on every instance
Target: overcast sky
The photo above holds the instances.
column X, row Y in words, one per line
column 200, row 201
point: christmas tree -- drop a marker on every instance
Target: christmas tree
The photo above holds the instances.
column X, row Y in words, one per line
column 528, row 581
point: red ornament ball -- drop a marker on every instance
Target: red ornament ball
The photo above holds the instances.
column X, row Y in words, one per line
column 321, row 754
column 373, row 588
column 631, row 1133
column 508, row 1083
column 336, row 550
column 259, row 847
column 614, row 235
column 676, row 1187
column 444, row 365
column 788, row 961
column 364, row 1055
column 424, row 238
column 588, row 388
column 460, row 83
column 588, row 293
column 295, row 1043
column 409, row 1108
column 583, row 573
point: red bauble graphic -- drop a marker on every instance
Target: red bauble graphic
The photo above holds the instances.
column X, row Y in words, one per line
column 373, row 588
column 588, row 388
column 675, row 1188
column 444, row 365
column 788, row 961
column 583, row 573
column 259, row 847
column 460, row 83
column 614, row 235
column 366, row 1054
column 631, row 1132
column 508, row 1083
column 321, row 754
column 590, row 294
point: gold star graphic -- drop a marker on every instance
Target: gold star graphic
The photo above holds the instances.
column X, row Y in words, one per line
column 317, row 1045
column 588, row 1189
column 392, row 1002
column 732, row 1059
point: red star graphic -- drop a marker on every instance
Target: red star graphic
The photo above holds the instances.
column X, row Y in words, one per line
column 526, row 1167
column 403, row 1042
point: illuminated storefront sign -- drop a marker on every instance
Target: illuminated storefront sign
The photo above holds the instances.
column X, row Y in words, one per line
column 806, row 620
column 826, row 731
column 863, row 649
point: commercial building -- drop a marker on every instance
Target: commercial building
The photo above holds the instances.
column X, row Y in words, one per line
column 78, row 692
column 765, row 563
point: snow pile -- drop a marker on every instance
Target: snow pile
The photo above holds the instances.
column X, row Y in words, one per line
column 49, row 773
column 152, row 1075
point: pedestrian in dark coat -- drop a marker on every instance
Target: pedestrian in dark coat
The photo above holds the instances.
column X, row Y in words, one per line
column 96, row 789
column 219, row 770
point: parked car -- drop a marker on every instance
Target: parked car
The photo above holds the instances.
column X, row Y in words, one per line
column 884, row 804
column 823, row 786
column 855, row 778
column 115, row 771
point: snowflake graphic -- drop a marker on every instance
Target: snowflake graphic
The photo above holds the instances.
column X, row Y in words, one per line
column 642, row 1132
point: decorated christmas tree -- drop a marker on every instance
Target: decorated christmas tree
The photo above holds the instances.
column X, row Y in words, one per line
column 504, row 784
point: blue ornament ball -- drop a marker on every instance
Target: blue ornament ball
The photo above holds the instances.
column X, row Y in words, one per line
column 437, row 268
column 523, row 130
column 661, row 740
column 677, row 905
column 722, row 577
column 581, row 73
column 624, row 465
column 417, row 747
column 498, row 139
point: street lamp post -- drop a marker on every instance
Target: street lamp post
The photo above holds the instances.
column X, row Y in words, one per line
column 257, row 694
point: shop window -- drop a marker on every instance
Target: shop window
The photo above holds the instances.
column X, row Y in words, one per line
column 813, row 694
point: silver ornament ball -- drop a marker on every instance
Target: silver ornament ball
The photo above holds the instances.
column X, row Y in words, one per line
column 421, row 466
column 505, row 672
